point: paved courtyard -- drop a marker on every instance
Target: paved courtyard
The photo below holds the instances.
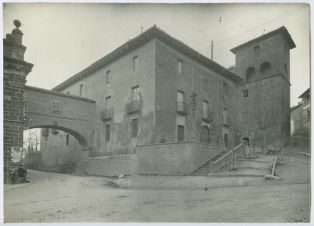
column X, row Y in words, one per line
column 53, row 197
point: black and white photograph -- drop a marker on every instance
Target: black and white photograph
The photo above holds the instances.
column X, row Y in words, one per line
column 156, row 112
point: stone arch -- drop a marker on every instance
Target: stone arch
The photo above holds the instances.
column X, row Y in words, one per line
column 81, row 139
column 250, row 73
column 205, row 134
column 265, row 67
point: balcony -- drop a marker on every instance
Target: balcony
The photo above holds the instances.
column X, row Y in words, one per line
column 227, row 122
column 182, row 108
column 207, row 116
column 133, row 107
column 106, row 114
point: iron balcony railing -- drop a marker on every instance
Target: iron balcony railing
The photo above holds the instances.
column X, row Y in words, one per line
column 133, row 107
column 182, row 108
column 207, row 116
column 106, row 114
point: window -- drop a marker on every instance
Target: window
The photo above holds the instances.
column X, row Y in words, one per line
column 108, row 103
column 81, row 90
column 256, row 48
column 180, row 67
column 135, row 93
column 135, row 63
column 180, row 101
column 134, row 126
column 245, row 93
column 250, row 73
column 107, row 137
column 205, row 109
column 67, row 140
column 180, row 133
column 225, row 89
column 224, row 117
column 68, row 92
column 265, row 67
column 308, row 115
column 108, row 77
column 226, row 140
column 55, row 107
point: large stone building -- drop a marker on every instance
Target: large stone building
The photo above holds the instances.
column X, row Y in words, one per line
column 155, row 89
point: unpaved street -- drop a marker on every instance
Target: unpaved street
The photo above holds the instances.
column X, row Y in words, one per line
column 53, row 197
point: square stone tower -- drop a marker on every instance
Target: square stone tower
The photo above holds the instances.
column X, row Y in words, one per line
column 263, row 104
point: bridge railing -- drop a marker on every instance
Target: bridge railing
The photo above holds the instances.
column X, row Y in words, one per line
column 228, row 159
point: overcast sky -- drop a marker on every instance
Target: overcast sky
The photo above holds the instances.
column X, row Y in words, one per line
column 63, row 39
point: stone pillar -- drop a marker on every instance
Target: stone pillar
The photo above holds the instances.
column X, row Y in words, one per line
column 15, row 70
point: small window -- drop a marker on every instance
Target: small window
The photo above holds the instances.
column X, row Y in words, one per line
column 308, row 118
column 107, row 137
column 250, row 73
column 68, row 92
column 180, row 67
column 225, row 89
column 180, row 101
column 205, row 109
column 135, row 93
column 108, row 103
column 81, row 90
column 67, row 140
column 108, row 77
column 135, row 64
column 265, row 67
column 180, row 133
column 134, row 126
column 245, row 93
column 256, row 48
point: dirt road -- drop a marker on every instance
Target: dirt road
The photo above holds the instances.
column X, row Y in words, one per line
column 53, row 197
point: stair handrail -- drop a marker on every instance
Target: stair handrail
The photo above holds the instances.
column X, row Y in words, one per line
column 232, row 151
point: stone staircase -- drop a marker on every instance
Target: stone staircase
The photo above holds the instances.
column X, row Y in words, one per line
column 204, row 169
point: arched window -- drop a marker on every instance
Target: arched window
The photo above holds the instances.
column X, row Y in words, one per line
column 250, row 73
column 265, row 67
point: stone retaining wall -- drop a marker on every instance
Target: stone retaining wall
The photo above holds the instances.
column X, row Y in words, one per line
column 174, row 158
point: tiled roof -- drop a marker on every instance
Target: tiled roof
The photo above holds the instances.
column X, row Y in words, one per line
column 151, row 33
column 283, row 30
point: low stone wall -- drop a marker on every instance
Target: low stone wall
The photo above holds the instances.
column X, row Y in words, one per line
column 174, row 158
column 109, row 165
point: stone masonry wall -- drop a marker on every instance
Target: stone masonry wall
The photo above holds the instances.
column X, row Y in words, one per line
column 15, row 70
column 174, row 158
column 208, row 86
column 122, row 80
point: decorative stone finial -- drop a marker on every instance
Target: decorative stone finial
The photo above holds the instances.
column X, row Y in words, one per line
column 17, row 23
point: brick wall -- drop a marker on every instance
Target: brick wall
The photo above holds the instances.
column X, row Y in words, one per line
column 15, row 70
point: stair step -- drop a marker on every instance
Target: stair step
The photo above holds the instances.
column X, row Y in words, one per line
column 203, row 170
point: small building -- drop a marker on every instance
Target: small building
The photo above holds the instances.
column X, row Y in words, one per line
column 306, row 109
